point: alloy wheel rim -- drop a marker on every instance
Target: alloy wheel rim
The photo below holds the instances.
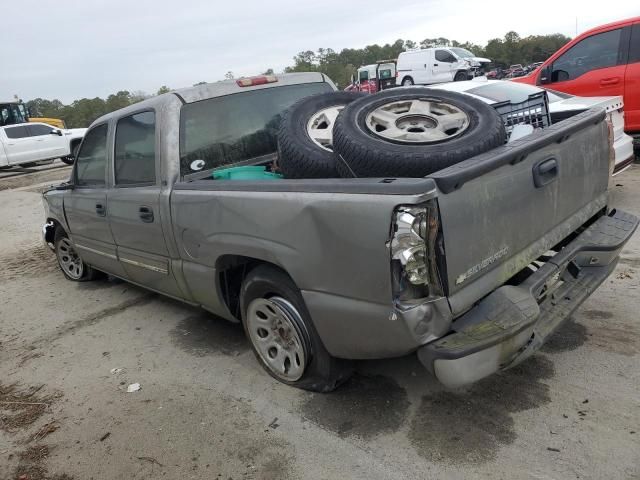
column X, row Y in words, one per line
column 69, row 259
column 320, row 126
column 417, row 121
column 276, row 337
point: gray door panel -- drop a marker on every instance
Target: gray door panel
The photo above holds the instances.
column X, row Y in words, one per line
column 89, row 228
column 134, row 216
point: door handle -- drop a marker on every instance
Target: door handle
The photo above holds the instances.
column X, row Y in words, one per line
column 610, row 81
column 545, row 172
column 435, row 64
column 101, row 210
column 146, row 214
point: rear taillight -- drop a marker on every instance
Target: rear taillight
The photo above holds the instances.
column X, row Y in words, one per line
column 253, row 81
column 413, row 246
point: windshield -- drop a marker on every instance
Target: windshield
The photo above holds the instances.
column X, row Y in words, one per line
column 242, row 126
column 511, row 91
column 462, row 52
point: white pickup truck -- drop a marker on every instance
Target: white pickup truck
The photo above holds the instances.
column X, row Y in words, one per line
column 28, row 143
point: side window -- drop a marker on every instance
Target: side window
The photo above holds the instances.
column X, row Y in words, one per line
column 38, row 130
column 17, row 132
column 363, row 76
column 135, row 150
column 634, row 45
column 444, row 56
column 596, row 51
column 92, row 158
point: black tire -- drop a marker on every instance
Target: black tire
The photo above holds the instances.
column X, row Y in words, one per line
column 461, row 76
column 298, row 155
column 87, row 272
column 323, row 373
column 71, row 158
column 407, row 82
column 368, row 155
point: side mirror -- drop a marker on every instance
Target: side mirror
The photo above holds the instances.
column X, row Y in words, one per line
column 56, row 131
column 545, row 75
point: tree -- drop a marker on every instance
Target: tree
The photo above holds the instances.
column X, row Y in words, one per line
column 229, row 75
column 268, row 71
column 163, row 89
column 138, row 96
column 199, row 83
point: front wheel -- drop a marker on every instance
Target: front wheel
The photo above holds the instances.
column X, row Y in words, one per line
column 460, row 76
column 281, row 333
column 69, row 261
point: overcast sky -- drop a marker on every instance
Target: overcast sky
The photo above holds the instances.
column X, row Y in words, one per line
column 69, row 50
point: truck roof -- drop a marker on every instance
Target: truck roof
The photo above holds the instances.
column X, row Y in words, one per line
column 226, row 87
column 218, row 89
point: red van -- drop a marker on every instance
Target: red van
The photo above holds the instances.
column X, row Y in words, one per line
column 600, row 62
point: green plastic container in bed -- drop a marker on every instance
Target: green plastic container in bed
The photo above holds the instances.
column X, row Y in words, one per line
column 245, row 173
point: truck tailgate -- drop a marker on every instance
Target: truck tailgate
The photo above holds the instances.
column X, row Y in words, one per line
column 503, row 209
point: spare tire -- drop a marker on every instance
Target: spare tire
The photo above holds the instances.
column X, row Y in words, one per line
column 413, row 132
column 305, row 136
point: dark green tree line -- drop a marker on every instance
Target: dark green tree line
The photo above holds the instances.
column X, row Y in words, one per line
column 506, row 51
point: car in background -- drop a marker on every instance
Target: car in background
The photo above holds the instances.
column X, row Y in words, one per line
column 497, row 73
column 603, row 61
column 28, row 143
column 435, row 65
column 374, row 78
column 561, row 107
column 516, row 70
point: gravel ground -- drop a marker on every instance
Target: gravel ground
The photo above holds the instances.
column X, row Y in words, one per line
column 206, row 410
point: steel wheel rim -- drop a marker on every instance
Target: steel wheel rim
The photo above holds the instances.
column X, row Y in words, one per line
column 417, row 121
column 407, row 82
column 320, row 126
column 276, row 337
column 68, row 259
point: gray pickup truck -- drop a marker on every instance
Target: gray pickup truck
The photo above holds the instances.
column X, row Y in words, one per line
column 472, row 267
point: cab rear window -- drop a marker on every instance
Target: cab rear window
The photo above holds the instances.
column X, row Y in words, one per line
column 223, row 131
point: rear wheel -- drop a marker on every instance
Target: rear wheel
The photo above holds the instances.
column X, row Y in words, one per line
column 282, row 335
column 69, row 261
column 407, row 81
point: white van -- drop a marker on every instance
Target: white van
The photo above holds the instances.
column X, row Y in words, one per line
column 437, row 65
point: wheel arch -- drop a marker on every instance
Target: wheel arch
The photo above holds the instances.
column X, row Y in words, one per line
column 231, row 271
column 49, row 230
column 409, row 77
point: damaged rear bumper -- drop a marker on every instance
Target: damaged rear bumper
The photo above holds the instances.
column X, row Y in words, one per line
column 511, row 323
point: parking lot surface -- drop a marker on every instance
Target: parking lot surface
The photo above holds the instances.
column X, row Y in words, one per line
column 206, row 410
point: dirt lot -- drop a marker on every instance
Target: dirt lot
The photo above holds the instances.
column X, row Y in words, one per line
column 206, row 410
